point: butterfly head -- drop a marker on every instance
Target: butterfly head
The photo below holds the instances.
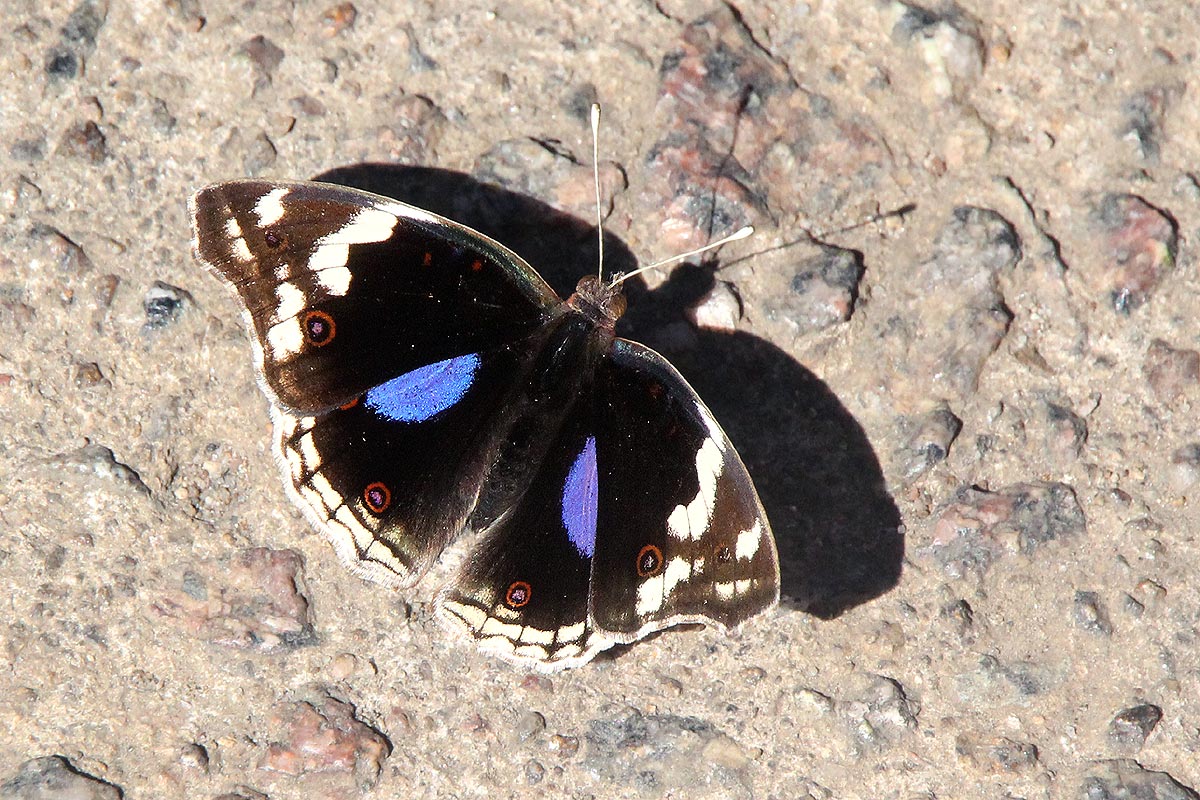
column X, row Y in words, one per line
column 601, row 302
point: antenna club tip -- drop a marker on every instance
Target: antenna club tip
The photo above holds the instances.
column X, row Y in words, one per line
column 742, row 233
column 595, row 113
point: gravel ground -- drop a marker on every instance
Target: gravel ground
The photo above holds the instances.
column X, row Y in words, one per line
column 961, row 358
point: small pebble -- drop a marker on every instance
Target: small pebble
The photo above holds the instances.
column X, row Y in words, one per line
column 1090, row 614
column 528, row 726
column 338, row 19
column 163, row 304
column 565, row 746
column 84, row 141
column 1184, row 471
column 342, row 666
column 1171, row 372
column 534, row 772
column 194, row 756
column 1131, row 726
column 264, row 54
column 718, row 310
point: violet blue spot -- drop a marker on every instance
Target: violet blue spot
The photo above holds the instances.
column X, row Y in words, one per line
column 424, row 392
column 580, row 498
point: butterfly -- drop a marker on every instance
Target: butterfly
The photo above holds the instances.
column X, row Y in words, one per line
column 425, row 382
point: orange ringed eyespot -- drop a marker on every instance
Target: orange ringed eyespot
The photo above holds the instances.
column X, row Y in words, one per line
column 518, row 594
column 649, row 561
column 377, row 497
column 318, row 327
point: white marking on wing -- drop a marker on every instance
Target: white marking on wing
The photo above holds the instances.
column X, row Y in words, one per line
column 232, row 229
column 677, row 523
column 497, row 644
column 536, row 636
column 504, row 612
column 313, row 498
column 494, row 627
column 329, row 256
column 285, row 338
column 692, row 520
column 472, row 615
column 362, row 536
column 748, row 540
column 368, row 225
column 376, row 551
column 653, row 591
column 531, row 651
column 678, row 570
column 709, row 464
column 240, row 250
column 291, row 301
column 336, row 280
column 565, row 651
column 572, row 632
column 269, row 207
column 330, row 496
column 332, row 251
column 697, row 517
column 307, row 446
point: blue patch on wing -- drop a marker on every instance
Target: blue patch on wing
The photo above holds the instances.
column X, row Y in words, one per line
column 419, row 395
column 579, row 500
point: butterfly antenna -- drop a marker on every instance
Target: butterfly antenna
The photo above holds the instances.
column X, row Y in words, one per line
column 596, row 181
column 733, row 237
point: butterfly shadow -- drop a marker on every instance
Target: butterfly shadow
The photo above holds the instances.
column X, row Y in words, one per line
column 837, row 528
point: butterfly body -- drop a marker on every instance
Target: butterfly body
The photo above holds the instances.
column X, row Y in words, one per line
column 426, row 382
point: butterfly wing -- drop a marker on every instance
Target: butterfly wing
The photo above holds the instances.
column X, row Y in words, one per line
column 640, row 516
column 345, row 290
column 389, row 341
column 523, row 594
column 392, row 476
column 681, row 533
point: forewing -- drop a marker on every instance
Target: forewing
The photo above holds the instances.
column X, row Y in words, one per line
column 344, row 289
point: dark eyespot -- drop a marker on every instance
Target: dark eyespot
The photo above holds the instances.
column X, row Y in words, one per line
column 378, row 497
column 319, row 329
column 649, row 561
column 724, row 555
column 518, row 594
column 274, row 240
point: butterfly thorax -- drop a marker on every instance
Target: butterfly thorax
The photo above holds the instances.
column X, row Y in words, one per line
column 602, row 303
